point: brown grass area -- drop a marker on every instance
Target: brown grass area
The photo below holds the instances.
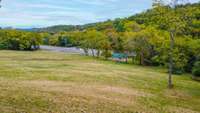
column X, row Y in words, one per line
column 120, row 95
column 48, row 82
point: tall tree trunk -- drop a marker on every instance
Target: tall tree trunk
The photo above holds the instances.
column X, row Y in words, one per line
column 98, row 53
column 170, row 84
column 93, row 52
column 142, row 59
column 133, row 60
column 86, row 51
column 105, row 54
column 127, row 60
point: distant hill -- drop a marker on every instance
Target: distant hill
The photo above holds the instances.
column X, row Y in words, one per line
column 57, row 28
column 66, row 28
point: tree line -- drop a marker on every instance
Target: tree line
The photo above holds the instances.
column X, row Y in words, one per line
column 147, row 34
column 19, row 40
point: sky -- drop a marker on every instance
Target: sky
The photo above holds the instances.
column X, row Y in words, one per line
column 42, row 13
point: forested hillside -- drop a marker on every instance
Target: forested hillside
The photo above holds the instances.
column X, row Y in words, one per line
column 147, row 18
column 189, row 12
column 147, row 34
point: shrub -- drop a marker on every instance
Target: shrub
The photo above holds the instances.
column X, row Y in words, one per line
column 196, row 69
column 106, row 54
column 19, row 40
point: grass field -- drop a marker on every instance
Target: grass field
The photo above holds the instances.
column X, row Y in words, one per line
column 48, row 82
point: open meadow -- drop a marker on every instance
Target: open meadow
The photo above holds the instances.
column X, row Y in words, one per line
column 53, row 82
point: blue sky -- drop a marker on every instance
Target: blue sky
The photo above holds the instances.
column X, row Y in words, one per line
column 41, row 13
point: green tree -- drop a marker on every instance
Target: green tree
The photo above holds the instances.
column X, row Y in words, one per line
column 119, row 25
column 45, row 38
column 18, row 40
column 53, row 40
column 141, row 43
column 132, row 26
column 95, row 41
column 170, row 20
column 196, row 69
column 116, row 40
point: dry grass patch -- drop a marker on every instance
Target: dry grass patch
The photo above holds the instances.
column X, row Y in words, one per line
column 120, row 95
column 181, row 110
column 49, row 82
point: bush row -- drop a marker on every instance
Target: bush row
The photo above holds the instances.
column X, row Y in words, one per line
column 19, row 40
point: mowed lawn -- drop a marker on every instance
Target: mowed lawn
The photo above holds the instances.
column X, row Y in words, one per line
column 50, row 82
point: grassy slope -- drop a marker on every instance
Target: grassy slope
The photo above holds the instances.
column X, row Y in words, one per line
column 47, row 82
